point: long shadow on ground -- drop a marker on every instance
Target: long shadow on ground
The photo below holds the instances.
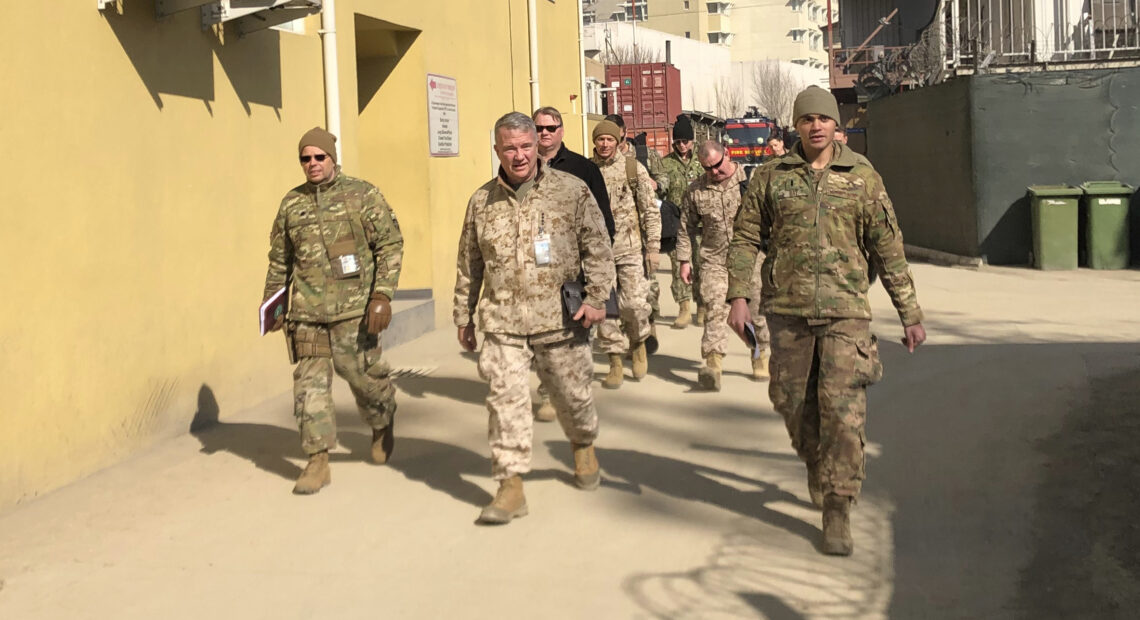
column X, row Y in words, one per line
column 632, row 470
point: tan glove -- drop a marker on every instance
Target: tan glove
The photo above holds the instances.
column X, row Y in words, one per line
column 379, row 313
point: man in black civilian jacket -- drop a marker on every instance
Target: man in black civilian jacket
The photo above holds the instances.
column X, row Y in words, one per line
column 548, row 120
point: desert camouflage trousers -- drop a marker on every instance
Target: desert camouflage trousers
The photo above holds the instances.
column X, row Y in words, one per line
column 820, row 373
column 355, row 356
column 714, row 289
column 615, row 335
column 566, row 368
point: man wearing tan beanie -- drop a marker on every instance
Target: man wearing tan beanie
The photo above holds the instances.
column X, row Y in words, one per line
column 336, row 247
column 825, row 217
column 631, row 200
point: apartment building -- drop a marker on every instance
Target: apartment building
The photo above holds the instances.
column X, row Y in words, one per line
column 789, row 31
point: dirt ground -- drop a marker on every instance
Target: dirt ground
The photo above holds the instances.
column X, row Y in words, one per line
column 1001, row 484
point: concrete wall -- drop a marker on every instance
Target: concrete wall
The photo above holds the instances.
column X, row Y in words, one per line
column 921, row 144
column 1042, row 129
column 957, row 157
column 149, row 160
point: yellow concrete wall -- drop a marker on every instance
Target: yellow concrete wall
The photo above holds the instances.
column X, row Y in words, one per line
column 152, row 157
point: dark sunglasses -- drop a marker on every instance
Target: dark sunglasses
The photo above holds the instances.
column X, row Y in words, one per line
column 305, row 158
column 547, row 128
column 714, row 166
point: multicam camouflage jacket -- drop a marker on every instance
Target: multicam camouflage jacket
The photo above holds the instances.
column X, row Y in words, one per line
column 498, row 274
column 820, row 236
column 681, row 173
column 635, row 214
column 335, row 244
column 711, row 207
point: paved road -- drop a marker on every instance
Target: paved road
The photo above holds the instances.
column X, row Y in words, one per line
column 1001, row 483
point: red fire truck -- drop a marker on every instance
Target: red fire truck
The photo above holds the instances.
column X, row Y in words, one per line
column 747, row 139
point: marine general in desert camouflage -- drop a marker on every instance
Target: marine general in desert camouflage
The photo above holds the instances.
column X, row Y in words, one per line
column 337, row 245
column 526, row 232
column 825, row 218
column 711, row 204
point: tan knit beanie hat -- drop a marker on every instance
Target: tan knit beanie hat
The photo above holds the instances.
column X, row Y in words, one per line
column 319, row 138
column 815, row 100
column 607, row 128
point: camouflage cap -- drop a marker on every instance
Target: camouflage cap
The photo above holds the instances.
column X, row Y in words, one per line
column 815, row 100
column 319, row 138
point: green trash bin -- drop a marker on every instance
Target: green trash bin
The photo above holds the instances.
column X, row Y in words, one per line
column 1106, row 224
column 1054, row 209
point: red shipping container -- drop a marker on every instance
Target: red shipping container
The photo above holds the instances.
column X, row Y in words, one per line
column 648, row 95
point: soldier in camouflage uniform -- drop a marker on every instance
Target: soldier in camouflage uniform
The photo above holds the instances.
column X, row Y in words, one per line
column 635, row 218
column 525, row 233
column 682, row 168
column 657, row 182
column 711, row 203
column 337, row 245
column 825, row 218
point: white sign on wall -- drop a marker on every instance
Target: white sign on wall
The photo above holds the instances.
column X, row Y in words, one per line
column 443, row 116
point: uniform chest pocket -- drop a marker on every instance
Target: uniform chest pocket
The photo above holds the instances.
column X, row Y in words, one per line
column 795, row 208
column 841, row 205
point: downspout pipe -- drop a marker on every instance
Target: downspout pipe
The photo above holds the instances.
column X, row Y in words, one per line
column 532, row 31
column 582, row 79
column 332, row 74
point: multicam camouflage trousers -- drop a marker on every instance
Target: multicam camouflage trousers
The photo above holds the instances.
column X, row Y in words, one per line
column 681, row 291
column 714, row 289
column 820, row 373
column 564, row 366
column 615, row 336
column 349, row 349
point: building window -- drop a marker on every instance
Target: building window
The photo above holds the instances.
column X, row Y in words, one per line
column 719, row 7
column 638, row 9
column 686, row 5
column 588, row 17
column 797, row 5
column 688, row 35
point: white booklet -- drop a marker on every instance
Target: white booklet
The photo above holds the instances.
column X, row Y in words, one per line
column 273, row 309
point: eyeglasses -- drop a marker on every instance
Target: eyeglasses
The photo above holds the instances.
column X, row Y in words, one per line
column 305, row 158
column 714, row 166
column 547, row 128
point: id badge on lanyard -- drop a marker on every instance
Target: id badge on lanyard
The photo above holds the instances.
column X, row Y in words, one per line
column 542, row 244
column 542, row 249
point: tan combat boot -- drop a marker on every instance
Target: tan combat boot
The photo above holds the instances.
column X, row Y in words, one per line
column 709, row 374
column 760, row 367
column 684, row 316
column 815, row 485
column 586, row 474
column 316, row 475
column 640, row 361
column 509, row 503
column 383, row 440
column 699, row 321
column 837, row 525
column 614, row 379
column 545, row 411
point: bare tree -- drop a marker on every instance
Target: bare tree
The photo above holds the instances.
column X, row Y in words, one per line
column 775, row 87
column 729, row 98
column 631, row 55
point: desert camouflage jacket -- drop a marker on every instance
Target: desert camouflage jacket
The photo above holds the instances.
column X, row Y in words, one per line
column 498, row 277
column 710, row 207
column 820, row 235
column 635, row 213
column 318, row 223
